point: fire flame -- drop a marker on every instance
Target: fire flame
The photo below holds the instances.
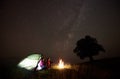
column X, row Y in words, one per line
column 61, row 64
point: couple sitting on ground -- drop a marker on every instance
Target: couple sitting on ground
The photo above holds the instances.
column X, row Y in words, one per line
column 43, row 64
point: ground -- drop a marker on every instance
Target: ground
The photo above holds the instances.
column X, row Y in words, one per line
column 100, row 69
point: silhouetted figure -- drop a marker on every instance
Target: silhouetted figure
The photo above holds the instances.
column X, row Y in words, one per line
column 48, row 63
column 88, row 47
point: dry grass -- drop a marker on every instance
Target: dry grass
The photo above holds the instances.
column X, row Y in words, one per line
column 77, row 72
column 98, row 70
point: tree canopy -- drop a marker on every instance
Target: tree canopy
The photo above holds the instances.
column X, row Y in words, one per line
column 88, row 47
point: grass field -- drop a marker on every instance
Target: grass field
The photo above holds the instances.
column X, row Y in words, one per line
column 100, row 69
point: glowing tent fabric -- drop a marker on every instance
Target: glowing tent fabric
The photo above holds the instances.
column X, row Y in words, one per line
column 30, row 62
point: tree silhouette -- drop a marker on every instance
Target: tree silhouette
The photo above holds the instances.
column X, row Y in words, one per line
column 87, row 47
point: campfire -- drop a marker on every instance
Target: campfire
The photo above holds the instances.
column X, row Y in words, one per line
column 61, row 65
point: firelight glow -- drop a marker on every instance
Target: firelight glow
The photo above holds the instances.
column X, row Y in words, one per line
column 61, row 65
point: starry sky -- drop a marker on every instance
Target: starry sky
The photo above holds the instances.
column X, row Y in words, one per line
column 52, row 27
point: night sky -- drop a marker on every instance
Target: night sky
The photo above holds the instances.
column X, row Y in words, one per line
column 52, row 27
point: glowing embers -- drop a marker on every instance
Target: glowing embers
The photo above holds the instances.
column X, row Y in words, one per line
column 61, row 64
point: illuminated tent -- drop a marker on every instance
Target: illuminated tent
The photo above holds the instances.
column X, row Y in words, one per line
column 30, row 62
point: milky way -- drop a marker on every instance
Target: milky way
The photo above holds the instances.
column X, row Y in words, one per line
column 52, row 27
